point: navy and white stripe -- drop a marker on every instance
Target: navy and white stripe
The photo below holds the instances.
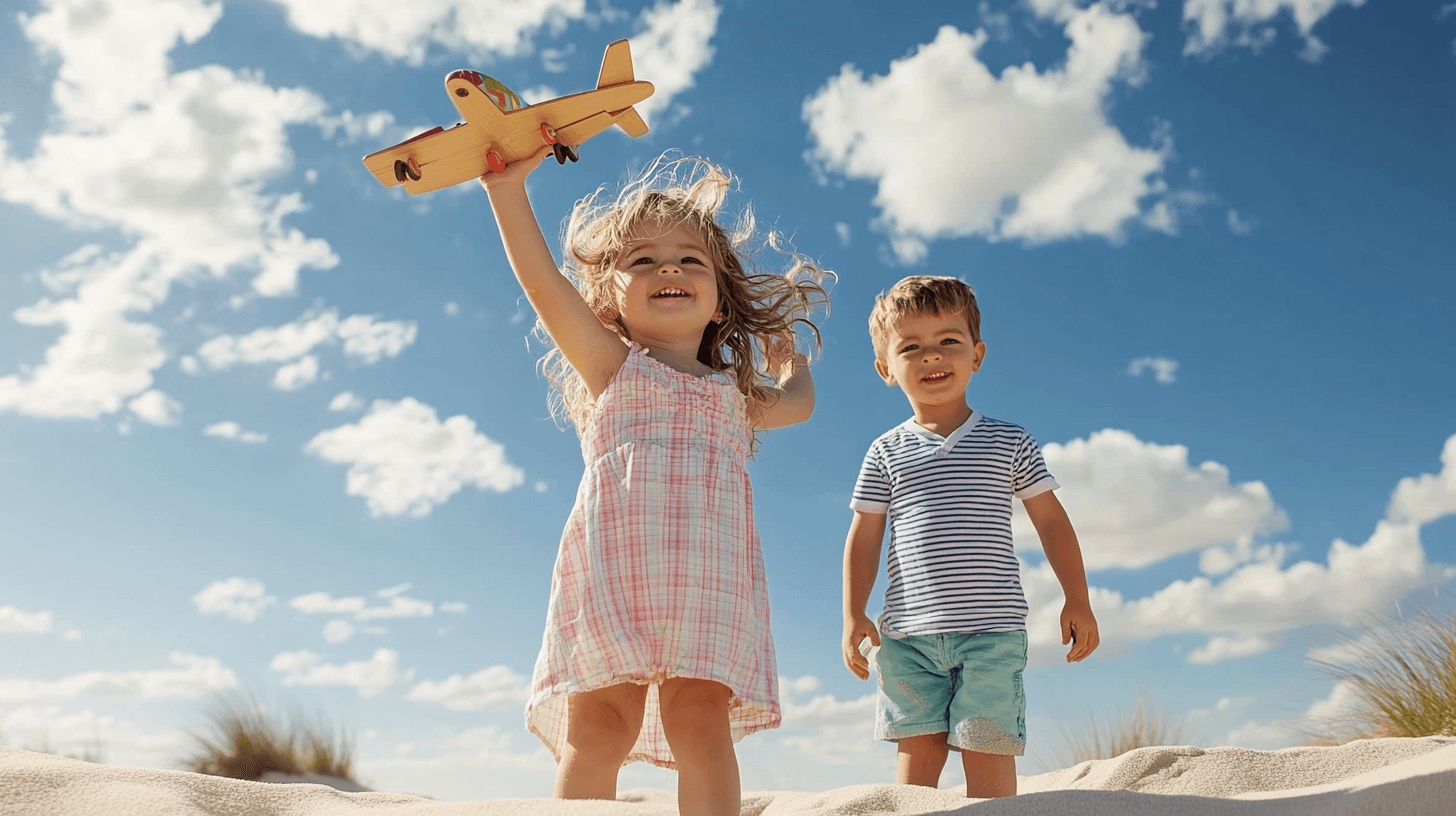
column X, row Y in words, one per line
column 951, row 564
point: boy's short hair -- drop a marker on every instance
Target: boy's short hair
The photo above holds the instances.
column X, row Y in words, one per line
column 922, row 294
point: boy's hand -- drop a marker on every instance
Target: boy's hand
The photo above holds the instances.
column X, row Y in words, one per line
column 855, row 631
column 515, row 172
column 1080, row 628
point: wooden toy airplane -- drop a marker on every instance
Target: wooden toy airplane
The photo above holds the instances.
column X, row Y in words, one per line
column 499, row 129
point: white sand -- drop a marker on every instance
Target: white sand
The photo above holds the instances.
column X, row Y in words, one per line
column 1389, row 777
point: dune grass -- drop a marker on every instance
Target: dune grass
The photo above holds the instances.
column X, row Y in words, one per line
column 1403, row 672
column 1119, row 732
column 242, row 740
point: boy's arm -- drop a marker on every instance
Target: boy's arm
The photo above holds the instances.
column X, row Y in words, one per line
column 1059, row 542
column 861, row 565
column 593, row 350
column 793, row 400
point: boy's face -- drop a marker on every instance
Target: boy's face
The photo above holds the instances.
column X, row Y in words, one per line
column 931, row 357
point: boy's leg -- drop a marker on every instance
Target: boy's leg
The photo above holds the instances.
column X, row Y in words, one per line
column 601, row 728
column 921, row 759
column 695, row 722
column 988, row 712
column 989, row 775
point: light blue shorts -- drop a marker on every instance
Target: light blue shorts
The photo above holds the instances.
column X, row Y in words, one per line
column 965, row 686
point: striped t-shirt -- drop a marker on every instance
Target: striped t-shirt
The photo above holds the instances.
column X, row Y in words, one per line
column 951, row 564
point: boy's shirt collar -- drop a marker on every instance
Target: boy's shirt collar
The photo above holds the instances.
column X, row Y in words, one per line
column 945, row 443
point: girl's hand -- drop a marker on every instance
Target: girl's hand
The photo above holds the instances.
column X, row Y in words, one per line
column 779, row 357
column 515, row 172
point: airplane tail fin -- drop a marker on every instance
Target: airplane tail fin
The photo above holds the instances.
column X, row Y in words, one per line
column 616, row 65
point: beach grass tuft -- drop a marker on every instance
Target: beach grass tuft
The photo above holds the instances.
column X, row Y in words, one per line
column 1119, row 732
column 1403, row 674
column 243, row 740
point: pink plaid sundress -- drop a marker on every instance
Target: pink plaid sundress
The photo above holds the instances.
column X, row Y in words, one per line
column 660, row 573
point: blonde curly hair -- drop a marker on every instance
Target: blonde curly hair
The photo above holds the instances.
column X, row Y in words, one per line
column 757, row 308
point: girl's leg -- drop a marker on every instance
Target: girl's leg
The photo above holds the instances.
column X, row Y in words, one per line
column 601, row 728
column 920, row 759
column 989, row 775
column 695, row 722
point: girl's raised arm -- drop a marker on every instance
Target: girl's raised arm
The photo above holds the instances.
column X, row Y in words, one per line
column 793, row 400
column 595, row 351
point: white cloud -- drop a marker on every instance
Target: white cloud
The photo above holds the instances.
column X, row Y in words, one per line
column 338, row 631
column 824, row 728
column 195, row 677
column 496, row 687
column 671, row 47
column 176, row 162
column 368, row 677
column 365, row 339
column 1029, row 155
column 1225, row 648
column 156, row 408
column 1164, row 369
column 843, row 231
column 1240, row 225
column 409, row 32
column 1135, row 503
column 238, row 598
column 233, row 431
column 301, row 373
column 1425, row 498
column 398, row 606
column 404, row 461
column 14, row 620
column 346, row 401
column 1213, row 25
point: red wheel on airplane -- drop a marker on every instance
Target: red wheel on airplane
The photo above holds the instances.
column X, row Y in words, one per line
column 406, row 170
column 494, row 162
column 548, row 133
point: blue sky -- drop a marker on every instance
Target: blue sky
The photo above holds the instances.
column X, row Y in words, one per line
column 266, row 424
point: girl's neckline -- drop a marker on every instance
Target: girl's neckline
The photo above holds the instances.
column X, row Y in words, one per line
column 637, row 348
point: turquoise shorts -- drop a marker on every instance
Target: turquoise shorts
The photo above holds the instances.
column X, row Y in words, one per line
column 965, row 686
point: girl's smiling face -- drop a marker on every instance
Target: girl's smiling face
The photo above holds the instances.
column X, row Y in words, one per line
column 667, row 281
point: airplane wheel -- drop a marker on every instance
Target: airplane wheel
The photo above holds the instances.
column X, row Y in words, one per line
column 406, row 170
column 560, row 151
column 494, row 162
column 570, row 152
column 548, row 133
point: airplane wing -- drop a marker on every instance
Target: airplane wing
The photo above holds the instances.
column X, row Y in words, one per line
column 427, row 151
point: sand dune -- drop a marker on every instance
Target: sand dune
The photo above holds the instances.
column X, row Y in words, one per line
column 1391, row 777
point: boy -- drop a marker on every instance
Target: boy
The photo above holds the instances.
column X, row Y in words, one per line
column 954, row 614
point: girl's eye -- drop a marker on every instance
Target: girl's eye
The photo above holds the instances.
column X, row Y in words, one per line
column 687, row 259
column 641, row 260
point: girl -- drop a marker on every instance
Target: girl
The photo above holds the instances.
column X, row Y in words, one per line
column 657, row 643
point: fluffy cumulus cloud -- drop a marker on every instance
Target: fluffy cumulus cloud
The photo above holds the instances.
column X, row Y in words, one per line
column 1424, row 498
column 404, row 461
column 496, row 687
column 823, row 727
column 1136, row 503
column 193, row 676
column 364, row 339
column 1246, row 611
column 410, row 31
column 368, row 677
column 238, row 598
column 955, row 150
column 671, row 46
column 1213, row 25
column 13, row 620
column 174, row 162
